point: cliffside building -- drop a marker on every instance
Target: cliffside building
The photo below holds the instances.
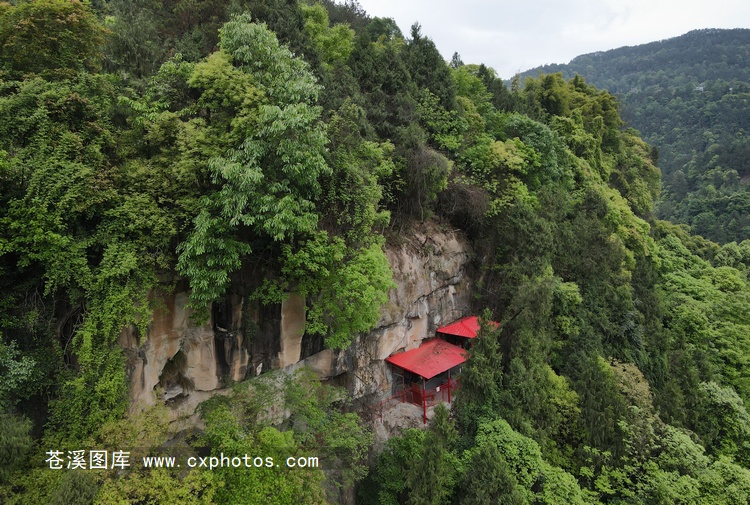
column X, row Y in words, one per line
column 426, row 375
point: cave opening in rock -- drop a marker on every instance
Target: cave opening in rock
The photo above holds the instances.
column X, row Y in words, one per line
column 173, row 379
column 311, row 344
column 222, row 314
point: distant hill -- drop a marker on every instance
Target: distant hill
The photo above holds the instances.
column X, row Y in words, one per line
column 690, row 97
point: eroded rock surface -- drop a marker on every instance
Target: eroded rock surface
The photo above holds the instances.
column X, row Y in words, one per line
column 178, row 358
column 431, row 272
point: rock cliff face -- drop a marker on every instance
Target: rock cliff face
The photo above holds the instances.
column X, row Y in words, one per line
column 184, row 362
column 431, row 272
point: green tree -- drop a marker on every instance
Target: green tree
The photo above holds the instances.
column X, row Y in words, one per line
column 159, row 486
column 50, row 37
column 76, row 487
column 724, row 421
column 428, row 68
column 134, row 47
column 481, row 378
column 286, row 20
column 530, row 478
column 354, row 197
column 432, row 478
column 426, row 175
column 346, row 286
column 489, row 480
column 269, row 179
column 386, row 484
column 15, row 371
column 333, row 44
column 322, row 427
column 724, row 482
column 15, row 445
column 251, row 420
column 76, row 240
column 226, row 436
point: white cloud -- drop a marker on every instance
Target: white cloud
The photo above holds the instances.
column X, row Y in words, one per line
column 515, row 36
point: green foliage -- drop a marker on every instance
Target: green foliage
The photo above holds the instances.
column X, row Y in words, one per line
column 707, row 311
column 85, row 241
column 695, row 81
column 283, row 17
column 270, row 485
column 157, row 485
column 725, row 482
column 481, row 378
column 636, row 176
column 15, row 444
column 431, row 479
column 98, row 393
column 602, row 407
column 426, row 174
column 469, row 84
column 489, row 480
column 547, row 165
column 444, row 126
column 150, row 427
column 50, row 37
column 427, row 67
column 398, row 456
column 145, row 33
column 208, row 256
column 276, row 164
column 724, row 422
column 359, row 171
column 574, row 263
column 333, row 44
column 680, row 453
column 322, row 428
column 314, row 425
column 519, row 462
column 33, row 486
column 133, row 46
column 15, row 371
column 347, row 286
column 269, row 178
column 521, row 453
column 76, row 487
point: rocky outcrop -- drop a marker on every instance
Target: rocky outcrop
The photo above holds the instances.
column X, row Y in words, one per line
column 292, row 329
column 433, row 287
column 180, row 360
column 178, row 357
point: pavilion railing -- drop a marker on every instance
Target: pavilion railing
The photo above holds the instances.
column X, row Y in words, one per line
column 422, row 398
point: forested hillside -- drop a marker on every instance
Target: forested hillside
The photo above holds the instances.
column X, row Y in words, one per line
column 154, row 146
column 690, row 98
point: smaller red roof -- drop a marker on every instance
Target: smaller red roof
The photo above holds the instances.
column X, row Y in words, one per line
column 466, row 327
column 432, row 358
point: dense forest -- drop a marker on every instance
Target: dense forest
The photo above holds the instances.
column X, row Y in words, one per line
column 690, row 98
column 151, row 146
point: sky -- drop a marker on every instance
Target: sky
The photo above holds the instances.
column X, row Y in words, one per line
column 516, row 35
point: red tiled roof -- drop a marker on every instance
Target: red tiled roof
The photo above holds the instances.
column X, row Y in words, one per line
column 466, row 327
column 432, row 358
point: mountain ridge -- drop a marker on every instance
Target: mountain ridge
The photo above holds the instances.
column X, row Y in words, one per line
column 570, row 68
column 689, row 96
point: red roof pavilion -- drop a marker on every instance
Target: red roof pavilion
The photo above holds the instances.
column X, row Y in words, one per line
column 432, row 358
column 466, row 327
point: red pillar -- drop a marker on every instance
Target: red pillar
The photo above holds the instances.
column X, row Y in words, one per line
column 449, row 385
column 424, row 403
